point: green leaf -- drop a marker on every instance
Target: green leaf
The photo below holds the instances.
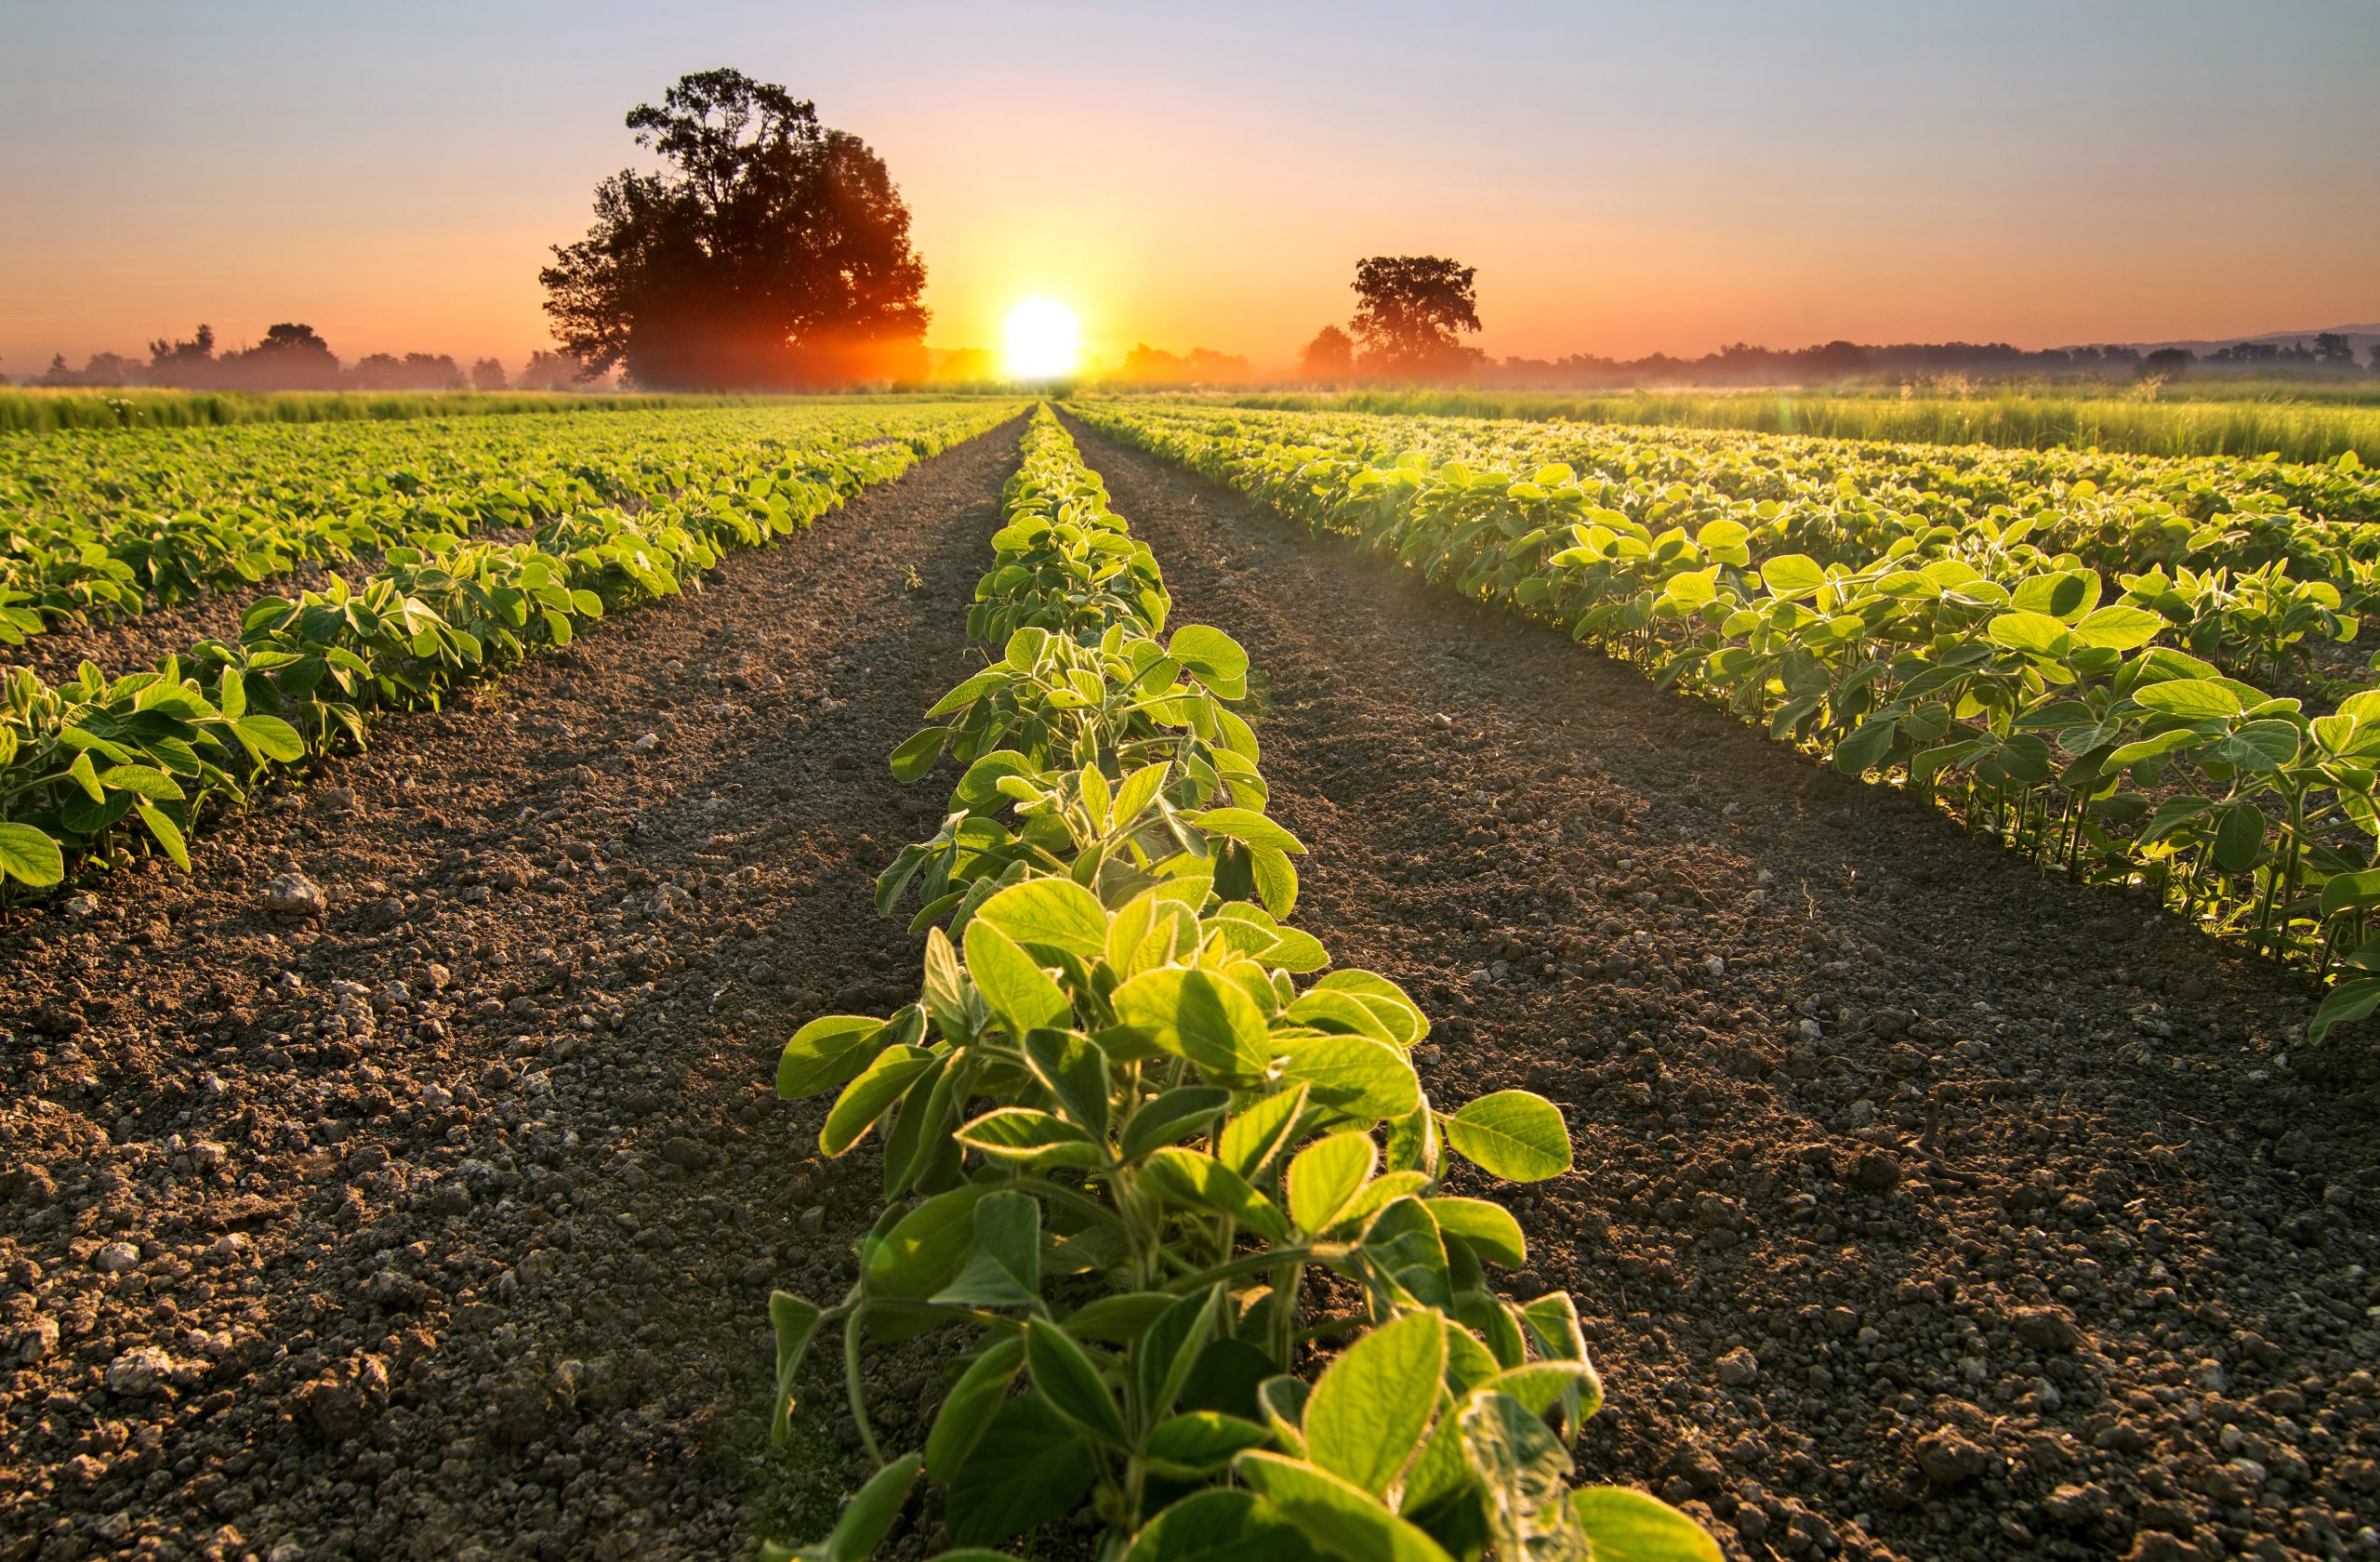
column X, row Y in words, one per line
column 1521, row 1468
column 1164, row 1354
column 870, row 1096
column 1167, row 1118
column 2343, row 1004
column 1018, row 990
column 168, row 834
column 1199, row 1442
column 794, row 1322
column 1512, row 1134
column 1352, row 1074
column 270, row 738
column 1066, row 1376
column 1213, row 655
column 1792, row 575
column 918, row 752
column 1225, row 1525
column 1248, row 826
column 2193, row 699
column 826, row 1052
column 1074, row 1070
column 1029, row 1134
column 970, row 1406
column 1325, row 1175
column 2035, row 634
column 925, row 1249
column 1192, row 1014
column 2119, row 628
column 867, row 1519
column 1371, row 1404
column 1625, row 1526
column 1004, row 1267
column 142, row 781
column 30, row 856
column 1057, row 912
column 1490, row 1228
column 1029, row 1468
column 86, row 775
column 1187, row 1177
column 1335, row 1517
column 1259, row 1131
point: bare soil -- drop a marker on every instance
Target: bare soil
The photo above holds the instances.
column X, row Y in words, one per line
column 1926, row 1206
column 442, row 1225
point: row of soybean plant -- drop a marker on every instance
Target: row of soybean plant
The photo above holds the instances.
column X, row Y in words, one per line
column 1124, row 1127
column 96, row 765
column 108, row 525
column 2243, row 579
column 2018, row 695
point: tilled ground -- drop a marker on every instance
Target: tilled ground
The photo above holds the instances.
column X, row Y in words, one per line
column 440, row 1222
column 1926, row 1206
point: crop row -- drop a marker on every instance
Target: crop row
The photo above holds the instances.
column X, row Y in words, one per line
column 1123, row 1121
column 2254, row 579
column 90, row 765
column 117, row 524
column 2069, row 726
column 2343, row 485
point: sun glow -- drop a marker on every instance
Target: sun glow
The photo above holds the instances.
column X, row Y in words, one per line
column 1043, row 341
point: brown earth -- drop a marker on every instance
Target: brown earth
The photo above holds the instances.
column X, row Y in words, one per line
column 440, row 1224
column 1926, row 1206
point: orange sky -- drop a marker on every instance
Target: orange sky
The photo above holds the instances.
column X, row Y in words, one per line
column 1209, row 175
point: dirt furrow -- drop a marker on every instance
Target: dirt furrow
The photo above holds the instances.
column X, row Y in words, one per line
column 440, row 1222
column 1926, row 1206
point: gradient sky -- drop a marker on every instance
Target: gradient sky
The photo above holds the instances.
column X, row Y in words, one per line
column 1627, row 177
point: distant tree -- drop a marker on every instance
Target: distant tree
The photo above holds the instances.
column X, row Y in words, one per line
column 772, row 250
column 488, row 375
column 2374, row 357
column 2332, row 347
column 1153, row 366
column 1408, row 309
column 965, row 365
column 1206, row 366
column 550, row 371
column 2166, row 362
column 113, row 368
column 183, row 363
column 1332, row 355
column 58, row 372
column 291, row 357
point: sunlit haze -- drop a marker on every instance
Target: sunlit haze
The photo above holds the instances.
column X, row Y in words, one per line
column 1625, row 177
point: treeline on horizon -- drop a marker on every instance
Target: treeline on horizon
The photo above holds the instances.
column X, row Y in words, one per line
column 294, row 357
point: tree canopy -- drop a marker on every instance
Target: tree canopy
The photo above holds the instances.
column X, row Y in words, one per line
column 1408, row 309
column 771, row 250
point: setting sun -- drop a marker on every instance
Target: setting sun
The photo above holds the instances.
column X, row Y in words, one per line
column 1044, row 342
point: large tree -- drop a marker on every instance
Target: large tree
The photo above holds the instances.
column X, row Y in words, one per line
column 1408, row 309
column 771, row 250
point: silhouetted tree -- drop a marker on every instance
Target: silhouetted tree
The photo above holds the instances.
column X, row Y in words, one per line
column 184, row 364
column 487, row 375
column 290, row 357
column 2332, row 347
column 1408, row 309
column 549, row 371
column 1332, row 355
column 2375, row 357
column 772, row 250
column 2166, row 362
